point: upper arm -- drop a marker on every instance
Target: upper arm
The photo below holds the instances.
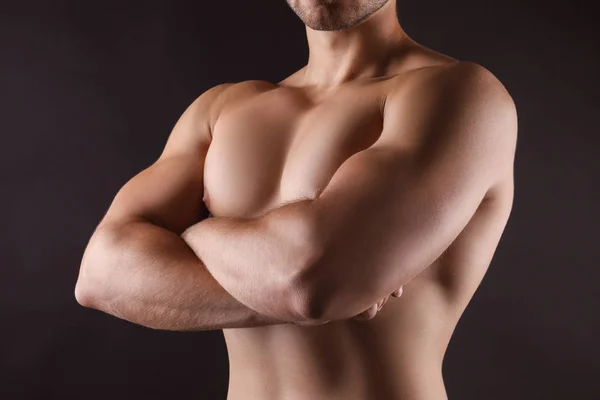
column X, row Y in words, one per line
column 391, row 210
column 169, row 192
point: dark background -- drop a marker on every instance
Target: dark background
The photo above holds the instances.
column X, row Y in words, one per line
column 90, row 90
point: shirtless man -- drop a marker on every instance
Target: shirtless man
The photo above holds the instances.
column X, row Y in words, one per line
column 379, row 165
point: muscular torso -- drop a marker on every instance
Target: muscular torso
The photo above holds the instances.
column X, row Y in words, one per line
column 276, row 143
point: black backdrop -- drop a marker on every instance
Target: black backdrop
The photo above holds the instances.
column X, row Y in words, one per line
column 90, row 90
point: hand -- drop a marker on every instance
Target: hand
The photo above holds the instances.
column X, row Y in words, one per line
column 375, row 308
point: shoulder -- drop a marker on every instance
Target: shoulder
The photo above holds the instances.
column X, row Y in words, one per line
column 219, row 95
column 207, row 106
column 459, row 107
column 232, row 90
column 225, row 94
column 462, row 86
column 459, row 94
column 472, row 83
column 463, row 81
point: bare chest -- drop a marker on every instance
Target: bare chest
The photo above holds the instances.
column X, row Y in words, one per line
column 279, row 146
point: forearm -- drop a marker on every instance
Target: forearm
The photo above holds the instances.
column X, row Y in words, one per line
column 259, row 260
column 148, row 275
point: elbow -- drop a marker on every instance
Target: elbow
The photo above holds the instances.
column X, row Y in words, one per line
column 294, row 290
column 310, row 294
column 93, row 280
column 320, row 294
column 88, row 291
column 83, row 295
column 90, row 294
column 311, row 289
column 309, row 308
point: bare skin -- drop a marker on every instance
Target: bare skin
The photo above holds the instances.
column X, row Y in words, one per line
column 273, row 162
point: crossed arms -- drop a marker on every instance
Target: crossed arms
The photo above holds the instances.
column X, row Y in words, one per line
column 385, row 215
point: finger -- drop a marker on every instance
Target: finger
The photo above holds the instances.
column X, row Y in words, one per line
column 398, row 292
column 382, row 302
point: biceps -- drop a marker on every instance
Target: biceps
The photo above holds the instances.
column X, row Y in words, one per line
column 382, row 223
column 357, row 221
column 168, row 193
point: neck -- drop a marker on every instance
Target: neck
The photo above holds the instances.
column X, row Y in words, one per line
column 363, row 51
